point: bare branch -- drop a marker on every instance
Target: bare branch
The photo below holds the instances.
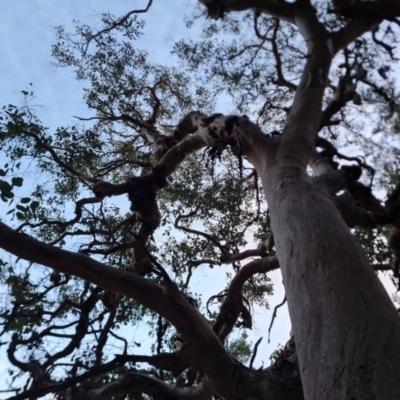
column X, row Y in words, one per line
column 352, row 31
column 381, row 43
column 378, row 9
column 274, row 316
column 116, row 24
column 282, row 9
column 196, row 232
column 233, row 306
column 146, row 384
column 382, row 267
column 253, row 357
column 169, row 362
column 33, row 132
column 159, row 299
column 281, row 79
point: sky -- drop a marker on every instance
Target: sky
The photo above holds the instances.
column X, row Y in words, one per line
column 26, row 35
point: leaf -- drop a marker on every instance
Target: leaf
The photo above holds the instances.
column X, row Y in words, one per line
column 2, row 172
column 383, row 71
column 8, row 195
column 180, row 382
column 24, row 92
column 25, row 200
column 375, row 27
column 12, row 210
column 34, row 205
column 357, row 99
column 5, row 187
column 361, row 73
column 17, row 181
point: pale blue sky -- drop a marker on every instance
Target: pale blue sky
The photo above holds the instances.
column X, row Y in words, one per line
column 26, row 35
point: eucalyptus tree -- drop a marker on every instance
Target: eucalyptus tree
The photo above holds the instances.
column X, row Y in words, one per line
column 316, row 82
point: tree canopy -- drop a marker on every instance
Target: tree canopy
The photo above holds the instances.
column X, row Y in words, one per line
column 129, row 204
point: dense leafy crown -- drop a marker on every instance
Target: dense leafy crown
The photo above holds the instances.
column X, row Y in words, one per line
column 177, row 216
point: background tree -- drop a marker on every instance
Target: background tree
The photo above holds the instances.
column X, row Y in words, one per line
column 317, row 77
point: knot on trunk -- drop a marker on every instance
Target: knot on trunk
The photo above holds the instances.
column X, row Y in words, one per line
column 142, row 191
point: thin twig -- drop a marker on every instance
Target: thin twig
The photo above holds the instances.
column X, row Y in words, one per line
column 274, row 316
column 162, row 272
column 255, row 352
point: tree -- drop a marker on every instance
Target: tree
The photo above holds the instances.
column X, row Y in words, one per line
column 328, row 85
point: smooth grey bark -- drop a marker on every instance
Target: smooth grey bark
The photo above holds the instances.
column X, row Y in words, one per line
column 346, row 328
column 347, row 331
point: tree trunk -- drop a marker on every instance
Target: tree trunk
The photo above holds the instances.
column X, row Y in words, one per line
column 346, row 328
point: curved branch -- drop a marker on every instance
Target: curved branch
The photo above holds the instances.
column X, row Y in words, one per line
column 341, row 98
column 32, row 132
column 382, row 9
column 104, row 334
column 253, row 357
column 352, row 31
column 166, row 301
column 282, row 9
column 201, row 346
column 233, row 306
column 166, row 361
column 261, row 251
column 196, row 232
column 116, row 24
column 146, row 384
column 274, row 316
column 281, row 79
